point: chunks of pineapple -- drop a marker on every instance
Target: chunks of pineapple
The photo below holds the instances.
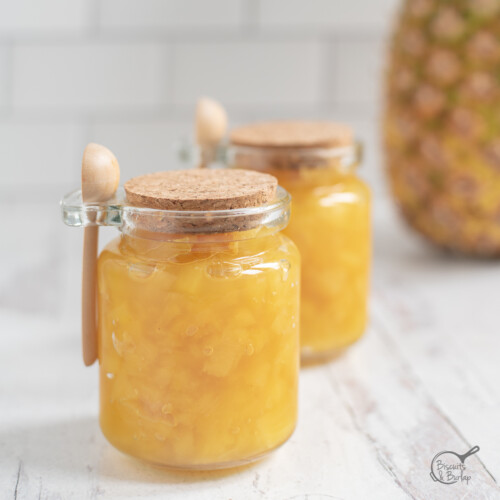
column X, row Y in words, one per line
column 198, row 348
column 330, row 224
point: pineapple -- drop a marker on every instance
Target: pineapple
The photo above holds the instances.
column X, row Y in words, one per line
column 442, row 122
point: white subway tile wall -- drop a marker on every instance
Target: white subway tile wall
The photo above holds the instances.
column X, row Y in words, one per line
column 249, row 73
column 89, row 77
column 4, row 77
column 39, row 153
column 127, row 73
column 337, row 15
column 29, row 17
column 144, row 145
column 170, row 14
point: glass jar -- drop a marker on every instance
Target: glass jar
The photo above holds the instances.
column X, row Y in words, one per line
column 330, row 225
column 198, row 324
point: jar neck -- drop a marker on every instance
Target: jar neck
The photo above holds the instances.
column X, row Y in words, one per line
column 140, row 236
column 343, row 160
column 299, row 168
column 207, row 225
column 188, row 247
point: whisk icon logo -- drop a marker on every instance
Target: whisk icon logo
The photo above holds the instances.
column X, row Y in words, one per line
column 448, row 467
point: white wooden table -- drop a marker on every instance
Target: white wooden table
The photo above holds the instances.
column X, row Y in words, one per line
column 424, row 379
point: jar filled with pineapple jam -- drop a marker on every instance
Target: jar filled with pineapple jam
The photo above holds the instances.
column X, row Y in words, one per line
column 198, row 317
column 316, row 163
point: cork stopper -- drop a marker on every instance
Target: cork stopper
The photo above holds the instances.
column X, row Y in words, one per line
column 203, row 190
column 293, row 134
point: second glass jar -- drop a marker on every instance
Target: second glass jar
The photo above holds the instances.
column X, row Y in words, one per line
column 330, row 223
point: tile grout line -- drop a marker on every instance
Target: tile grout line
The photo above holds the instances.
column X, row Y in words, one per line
column 8, row 67
column 186, row 35
column 330, row 70
column 250, row 13
column 169, row 70
column 93, row 11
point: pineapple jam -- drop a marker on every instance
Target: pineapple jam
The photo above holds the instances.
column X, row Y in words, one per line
column 315, row 162
column 199, row 321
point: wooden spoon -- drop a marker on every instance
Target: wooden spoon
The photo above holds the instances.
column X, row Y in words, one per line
column 211, row 127
column 100, row 178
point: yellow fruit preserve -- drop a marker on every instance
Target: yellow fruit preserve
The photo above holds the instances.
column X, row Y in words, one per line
column 331, row 227
column 199, row 336
column 330, row 224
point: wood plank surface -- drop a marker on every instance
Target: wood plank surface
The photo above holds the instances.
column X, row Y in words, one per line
column 424, row 379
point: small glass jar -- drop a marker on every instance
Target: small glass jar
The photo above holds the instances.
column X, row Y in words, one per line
column 198, row 325
column 330, row 223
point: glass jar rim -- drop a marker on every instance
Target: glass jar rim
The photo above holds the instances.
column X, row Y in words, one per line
column 128, row 218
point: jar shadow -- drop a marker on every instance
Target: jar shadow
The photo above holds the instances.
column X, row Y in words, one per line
column 309, row 362
column 77, row 449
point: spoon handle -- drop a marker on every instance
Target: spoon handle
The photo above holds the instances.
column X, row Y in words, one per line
column 89, row 287
column 473, row 450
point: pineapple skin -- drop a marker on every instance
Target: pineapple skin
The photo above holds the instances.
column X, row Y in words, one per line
column 442, row 122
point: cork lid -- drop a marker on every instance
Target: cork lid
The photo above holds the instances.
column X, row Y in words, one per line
column 201, row 194
column 203, row 189
column 293, row 134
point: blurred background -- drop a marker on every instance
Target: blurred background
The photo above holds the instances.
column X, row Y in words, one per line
column 127, row 74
